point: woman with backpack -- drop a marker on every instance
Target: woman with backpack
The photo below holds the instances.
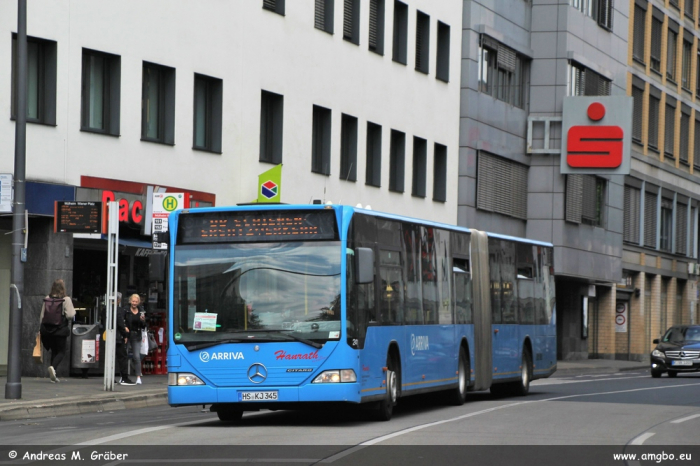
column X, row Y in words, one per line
column 56, row 313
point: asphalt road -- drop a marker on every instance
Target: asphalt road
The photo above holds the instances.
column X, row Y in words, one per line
column 623, row 410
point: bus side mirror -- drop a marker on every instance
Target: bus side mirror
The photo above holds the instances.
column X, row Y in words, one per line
column 364, row 265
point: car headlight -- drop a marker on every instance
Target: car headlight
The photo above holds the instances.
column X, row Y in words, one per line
column 183, row 378
column 657, row 354
column 339, row 376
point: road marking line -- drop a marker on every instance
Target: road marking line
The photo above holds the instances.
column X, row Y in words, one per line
column 131, row 433
column 642, row 438
column 678, row 421
column 540, row 383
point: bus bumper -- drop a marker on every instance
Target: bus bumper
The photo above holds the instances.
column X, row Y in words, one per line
column 206, row 394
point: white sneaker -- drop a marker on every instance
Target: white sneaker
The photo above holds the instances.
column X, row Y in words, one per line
column 52, row 374
column 138, row 380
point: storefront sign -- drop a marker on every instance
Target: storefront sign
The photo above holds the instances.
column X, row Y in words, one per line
column 128, row 212
column 597, row 135
column 163, row 205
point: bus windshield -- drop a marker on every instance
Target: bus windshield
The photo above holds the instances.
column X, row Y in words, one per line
column 285, row 291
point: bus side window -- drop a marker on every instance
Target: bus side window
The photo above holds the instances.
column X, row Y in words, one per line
column 463, row 291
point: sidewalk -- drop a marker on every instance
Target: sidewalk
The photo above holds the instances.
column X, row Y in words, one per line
column 41, row 398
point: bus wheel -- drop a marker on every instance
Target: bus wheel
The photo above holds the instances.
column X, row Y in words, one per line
column 229, row 414
column 522, row 387
column 459, row 394
column 385, row 408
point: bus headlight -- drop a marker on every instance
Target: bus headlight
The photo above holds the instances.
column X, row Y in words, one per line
column 183, row 378
column 657, row 353
column 341, row 376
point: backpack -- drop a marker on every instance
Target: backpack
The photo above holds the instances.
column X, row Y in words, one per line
column 53, row 311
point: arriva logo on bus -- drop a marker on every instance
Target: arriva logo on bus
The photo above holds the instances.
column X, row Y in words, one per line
column 206, row 357
column 419, row 343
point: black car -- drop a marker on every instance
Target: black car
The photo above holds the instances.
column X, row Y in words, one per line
column 678, row 351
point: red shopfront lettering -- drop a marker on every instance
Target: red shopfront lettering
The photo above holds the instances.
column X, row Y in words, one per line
column 282, row 354
column 127, row 213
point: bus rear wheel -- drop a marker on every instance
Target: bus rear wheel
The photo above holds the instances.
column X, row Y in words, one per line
column 522, row 387
column 459, row 394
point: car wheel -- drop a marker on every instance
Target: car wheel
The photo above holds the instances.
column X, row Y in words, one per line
column 672, row 374
column 655, row 373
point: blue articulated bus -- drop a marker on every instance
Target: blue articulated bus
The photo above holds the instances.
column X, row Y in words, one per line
column 296, row 306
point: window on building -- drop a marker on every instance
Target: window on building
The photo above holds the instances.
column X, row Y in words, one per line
column 376, row 26
column 440, row 173
column 639, row 33
column 373, row 172
column 208, row 101
column 420, row 156
column 669, row 127
column 584, row 81
column 501, row 186
column 323, row 15
column 100, row 100
column 397, row 161
column 686, row 65
column 688, row 8
column 674, row 3
column 681, row 228
column 502, row 72
column 348, row 148
column 671, row 46
column 637, row 113
column 666, row 227
column 654, row 103
column 274, row 5
column 696, row 144
column 656, row 28
column 599, row 10
column 585, row 199
column 422, row 42
column 685, row 135
column 400, row 42
column 321, row 141
column 697, row 75
column 442, row 66
column 630, row 232
column 650, row 212
column 271, row 127
column 41, row 80
column 158, row 104
column 691, row 234
column 351, row 21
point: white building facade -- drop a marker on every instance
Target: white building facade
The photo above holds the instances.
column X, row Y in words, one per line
column 358, row 99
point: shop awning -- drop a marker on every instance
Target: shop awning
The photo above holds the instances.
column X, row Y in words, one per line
column 135, row 243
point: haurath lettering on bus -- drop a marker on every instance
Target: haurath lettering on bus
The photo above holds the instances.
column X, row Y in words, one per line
column 282, row 354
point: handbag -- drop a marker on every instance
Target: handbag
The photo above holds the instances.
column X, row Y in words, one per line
column 38, row 355
column 152, row 345
column 144, row 342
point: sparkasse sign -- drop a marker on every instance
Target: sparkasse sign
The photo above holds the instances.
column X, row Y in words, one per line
column 597, row 135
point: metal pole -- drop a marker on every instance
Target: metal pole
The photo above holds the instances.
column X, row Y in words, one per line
column 13, row 387
column 112, row 274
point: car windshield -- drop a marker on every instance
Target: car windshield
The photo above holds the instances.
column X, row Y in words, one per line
column 257, row 291
column 681, row 334
column 692, row 334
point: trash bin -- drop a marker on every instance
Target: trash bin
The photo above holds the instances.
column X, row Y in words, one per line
column 87, row 349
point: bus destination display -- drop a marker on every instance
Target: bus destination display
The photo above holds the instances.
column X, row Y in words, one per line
column 221, row 227
column 77, row 217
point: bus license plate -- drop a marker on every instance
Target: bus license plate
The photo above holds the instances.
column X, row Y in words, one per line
column 681, row 363
column 257, row 396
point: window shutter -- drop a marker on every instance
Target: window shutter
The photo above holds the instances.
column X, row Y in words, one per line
column 605, row 12
column 519, row 183
column 419, row 45
column 650, row 220
column 506, row 58
column 681, row 228
column 485, row 182
column 320, row 15
column 347, row 19
column 373, row 20
column 638, row 101
column 574, row 194
column 691, row 252
column 685, row 137
column 638, row 46
column 631, row 215
column 669, row 130
column 653, row 122
column 501, row 186
column 270, row 4
column 696, row 149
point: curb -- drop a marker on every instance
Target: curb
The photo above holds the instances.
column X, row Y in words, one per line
column 34, row 410
column 599, row 370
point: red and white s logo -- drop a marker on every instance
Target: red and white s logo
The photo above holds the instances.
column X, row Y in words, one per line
column 594, row 146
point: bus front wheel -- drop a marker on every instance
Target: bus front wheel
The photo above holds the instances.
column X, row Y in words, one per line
column 522, row 387
column 459, row 394
column 229, row 414
column 385, row 408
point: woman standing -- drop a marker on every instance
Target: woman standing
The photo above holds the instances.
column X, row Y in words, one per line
column 135, row 322
column 56, row 312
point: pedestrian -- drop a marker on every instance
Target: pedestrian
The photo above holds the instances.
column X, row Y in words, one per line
column 56, row 313
column 122, row 341
column 135, row 323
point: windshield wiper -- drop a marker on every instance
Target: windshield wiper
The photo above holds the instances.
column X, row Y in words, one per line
column 289, row 336
column 208, row 344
